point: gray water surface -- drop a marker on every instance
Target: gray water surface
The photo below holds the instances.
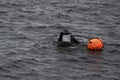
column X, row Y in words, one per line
column 30, row 28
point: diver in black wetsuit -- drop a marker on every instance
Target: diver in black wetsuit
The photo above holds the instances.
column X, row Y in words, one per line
column 66, row 39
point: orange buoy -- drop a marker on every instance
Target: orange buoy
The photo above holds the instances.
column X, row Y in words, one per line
column 95, row 44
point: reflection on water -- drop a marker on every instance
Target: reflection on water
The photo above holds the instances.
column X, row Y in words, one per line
column 95, row 56
column 95, row 68
column 95, row 53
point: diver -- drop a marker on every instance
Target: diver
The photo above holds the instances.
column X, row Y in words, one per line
column 66, row 39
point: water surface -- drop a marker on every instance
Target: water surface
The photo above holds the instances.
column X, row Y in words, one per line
column 29, row 29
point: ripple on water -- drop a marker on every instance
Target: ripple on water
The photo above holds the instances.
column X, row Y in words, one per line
column 29, row 30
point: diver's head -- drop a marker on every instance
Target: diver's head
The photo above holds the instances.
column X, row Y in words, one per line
column 66, row 32
column 66, row 38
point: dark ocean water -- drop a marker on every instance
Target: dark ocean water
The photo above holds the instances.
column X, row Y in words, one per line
column 29, row 29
